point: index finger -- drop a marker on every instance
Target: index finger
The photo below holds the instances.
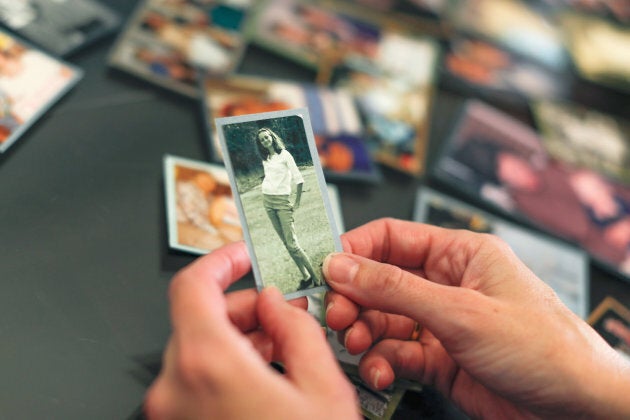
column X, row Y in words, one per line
column 419, row 248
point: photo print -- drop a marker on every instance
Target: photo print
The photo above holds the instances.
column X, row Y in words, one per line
column 201, row 212
column 282, row 198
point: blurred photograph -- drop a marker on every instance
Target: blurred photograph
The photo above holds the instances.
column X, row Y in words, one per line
column 478, row 68
column 60, row 27
column 336, row 123
column 282, row 199
column 497, row 159
column 313, row 35
column 600, row 49
column 201, row 212
column 395, row 93
column 515, row 25
column 30, row 83
column 171, row 43
column 568, row 131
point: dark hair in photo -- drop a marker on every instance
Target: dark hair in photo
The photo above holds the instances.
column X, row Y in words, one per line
column 278, row 145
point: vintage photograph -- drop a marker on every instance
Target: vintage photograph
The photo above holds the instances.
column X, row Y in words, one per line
column 336, row 123
column 282, row 199
column 60, row 27
column 611, row 319
column 30, row 83
column 200, row 207
column 560, row 265
column 170, row 43
column 496, row 158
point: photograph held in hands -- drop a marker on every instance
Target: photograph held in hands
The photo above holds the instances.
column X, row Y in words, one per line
column 280, row 191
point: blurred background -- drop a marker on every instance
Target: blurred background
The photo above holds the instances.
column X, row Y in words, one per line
column 94, row 96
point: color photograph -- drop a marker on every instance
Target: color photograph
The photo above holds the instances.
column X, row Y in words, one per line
column 201, row 212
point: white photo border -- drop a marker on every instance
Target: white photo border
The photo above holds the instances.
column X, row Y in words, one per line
column 302, row 113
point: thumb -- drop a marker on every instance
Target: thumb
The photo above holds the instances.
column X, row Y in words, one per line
column 388, row 288
column 299, row 342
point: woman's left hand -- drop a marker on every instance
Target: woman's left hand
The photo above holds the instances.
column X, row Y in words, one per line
column 216, row 364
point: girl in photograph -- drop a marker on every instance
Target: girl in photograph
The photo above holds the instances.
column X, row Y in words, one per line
column 281, row 173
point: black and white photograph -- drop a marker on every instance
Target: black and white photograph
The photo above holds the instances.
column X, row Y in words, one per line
column 282, row 199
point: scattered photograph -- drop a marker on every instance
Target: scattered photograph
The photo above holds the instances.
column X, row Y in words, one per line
column 343, row 153
column 282, row 198
column 560, row 265
column 30, row 83
column 394, row 92
column 481, row 69
column 611, row 319
column 171, row 43
column 201, row 212
column 311, row 34
column 600, row 49
column 60, row 27
column 615, row 10
column 568, row 131
column 495, row 158
column 515, row 25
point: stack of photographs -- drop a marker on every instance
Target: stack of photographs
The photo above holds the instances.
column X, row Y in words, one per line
column 30, row 83
column 61, row 27
column 390, row 72
column 561, row 266
column 281, row 196
column 492, row 157
column 170, row 42
column 338, row 129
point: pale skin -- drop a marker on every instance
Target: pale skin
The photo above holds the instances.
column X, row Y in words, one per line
column 495, row 339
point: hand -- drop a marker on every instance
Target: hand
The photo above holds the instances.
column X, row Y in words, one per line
column 216, row 364
column 495, row 339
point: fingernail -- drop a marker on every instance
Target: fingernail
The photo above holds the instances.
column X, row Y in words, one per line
column 345, row 337
column 375, row 373
column 340, row 268
column 329, row 306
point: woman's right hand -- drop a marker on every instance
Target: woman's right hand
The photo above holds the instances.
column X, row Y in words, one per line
column 494, row 338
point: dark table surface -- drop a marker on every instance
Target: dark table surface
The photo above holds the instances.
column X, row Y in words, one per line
column 84, row 259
